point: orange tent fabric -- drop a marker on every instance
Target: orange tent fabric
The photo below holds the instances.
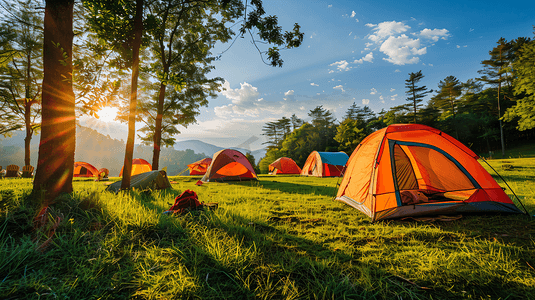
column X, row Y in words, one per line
column 284, row 165
column 83, row 169
column 199, row 167
column 324, row 164
column 139, row 165
column 229, row 165
column 408, row 170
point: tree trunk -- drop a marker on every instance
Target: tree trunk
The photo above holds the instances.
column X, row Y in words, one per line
column 129, row 152
column 56, row 149
column 158, row 129
column 27, row 112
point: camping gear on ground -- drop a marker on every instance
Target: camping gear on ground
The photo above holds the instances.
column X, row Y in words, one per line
column 229, row 165
column 284, row 165
column 188, row 201
column 12, row 171
column 27, row 171
column 139, row 165
column 325, row 164
column 411, row 170
column 153, row 180
column 199, row 167
column 83, row 169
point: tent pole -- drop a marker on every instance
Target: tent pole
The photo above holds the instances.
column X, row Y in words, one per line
column 507, row 186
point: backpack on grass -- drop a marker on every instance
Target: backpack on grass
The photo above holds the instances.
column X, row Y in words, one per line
column 188, row 201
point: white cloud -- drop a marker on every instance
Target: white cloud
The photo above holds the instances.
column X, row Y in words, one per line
column 289, row 95
column 246, row 94
column 342, row 65
column 402, row 50
column 393, row 40
column 373, row 91
column 386, row 29
column 382, row 99
column 314, row 84
column 367, row 58
column 365, row 101
column 435, row 34
column 313, row 35
column 393, row 97
column 471, row 29
column 339, row 87
column 353, row 14
column 357, row 20
column 330, row 5
column 392, row 89
column 397, row 71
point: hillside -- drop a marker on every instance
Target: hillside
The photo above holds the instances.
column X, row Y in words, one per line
column 99, row 150
column 209, row 149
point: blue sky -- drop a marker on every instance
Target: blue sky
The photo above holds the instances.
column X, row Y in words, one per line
column 353, row 51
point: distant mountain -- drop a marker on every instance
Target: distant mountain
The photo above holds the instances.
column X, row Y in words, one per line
column 97, row 149
column 102, row 151
column 209, row 149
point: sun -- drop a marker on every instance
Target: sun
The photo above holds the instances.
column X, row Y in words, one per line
column 107, row 114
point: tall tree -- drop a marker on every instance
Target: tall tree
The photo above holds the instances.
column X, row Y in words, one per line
column 448, row 98
column 296, row 122
column 415, row 93
column 20, row 85
column 55, row 163
column 136, row 44
column 324, row 123
column 524, row 109
column 184, row 34
column 495, row 70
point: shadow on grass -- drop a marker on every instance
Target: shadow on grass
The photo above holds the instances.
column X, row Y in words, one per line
column 290, row 187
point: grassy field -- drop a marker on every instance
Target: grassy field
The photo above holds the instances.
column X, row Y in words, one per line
column 279, row 238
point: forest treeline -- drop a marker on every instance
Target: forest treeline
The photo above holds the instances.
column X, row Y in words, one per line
column 488, row 114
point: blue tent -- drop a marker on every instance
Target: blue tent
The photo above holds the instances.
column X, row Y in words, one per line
column 325, row 164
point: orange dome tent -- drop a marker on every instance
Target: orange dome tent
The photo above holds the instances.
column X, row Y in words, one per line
column 284, row 165
column 83, row 169
column 228, row 165
column 324, row 164
column 409, row 170
column 199, row 167
column 139, row 165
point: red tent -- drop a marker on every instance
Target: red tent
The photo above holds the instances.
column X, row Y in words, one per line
column 83, row 169
column 284, row 165
column 229, row 165
column 410, row 170
column 199, row 167
column 139, row 165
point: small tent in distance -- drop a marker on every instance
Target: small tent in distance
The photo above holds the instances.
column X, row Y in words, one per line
column 411, row 170
column 229, row 165
column 284, row 165
column 83, row 169
column 199, row 167
column 139, row 165
column 324, row 164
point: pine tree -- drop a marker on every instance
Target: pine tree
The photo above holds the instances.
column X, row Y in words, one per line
column 415, row 93
column 449, row 92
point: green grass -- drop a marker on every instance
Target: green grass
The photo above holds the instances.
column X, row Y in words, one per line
column 279, row 238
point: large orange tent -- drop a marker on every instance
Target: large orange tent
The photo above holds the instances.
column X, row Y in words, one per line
column 199, row 167
column 83, row 169
column 229, row 165
column 324, row 164
column 139, row 165
column 284, row 165
column 409, row 170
